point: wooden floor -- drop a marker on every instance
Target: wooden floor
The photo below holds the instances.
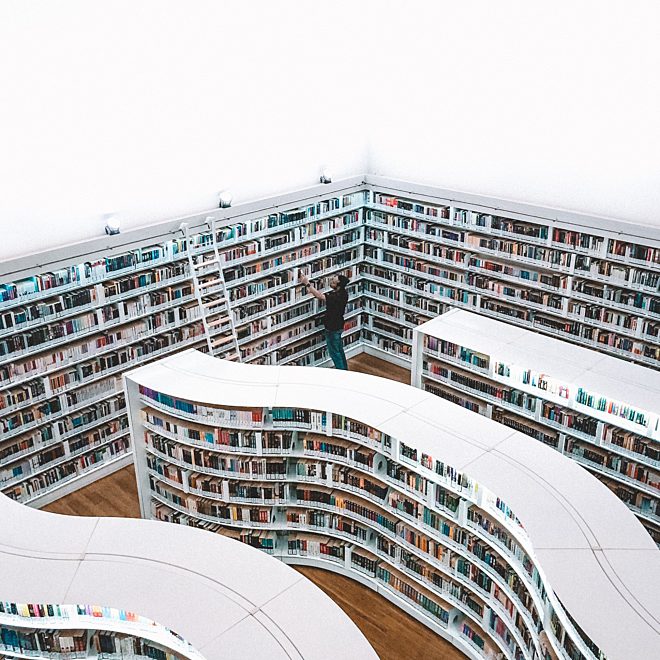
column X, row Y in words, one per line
column 393, row 634
column 114, row 497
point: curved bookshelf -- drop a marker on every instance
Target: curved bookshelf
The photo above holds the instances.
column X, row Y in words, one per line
column 405, row 493
column 600, row 411
column 240, row 604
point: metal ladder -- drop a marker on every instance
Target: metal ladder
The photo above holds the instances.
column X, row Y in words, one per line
column 213, row 298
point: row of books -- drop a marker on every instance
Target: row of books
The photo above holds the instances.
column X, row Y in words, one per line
column 409, row 205
column 45, row 334
column 111, row 645
column 633, row 251
column 309, row 547
column 332, row 499
column 146, row 280
column 300, row 547
column 571, row 238
column 273, row 340
column 606, row 293
column 616, row 273
column 215, row 415
column 611, row 407
column 598, row 313
column 23, row 315
column 37, row 485
column 528, row 276
column 576, row 239
column 207, row 436
column 60, row 643
column 506, row 394
column 525, row 297
column 60, row 358
column 624, row 466
column 631, row 442
column 88, row 272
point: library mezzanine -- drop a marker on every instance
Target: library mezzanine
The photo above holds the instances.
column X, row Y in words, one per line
column 391, row 506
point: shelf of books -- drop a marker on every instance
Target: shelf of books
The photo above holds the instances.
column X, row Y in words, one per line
column 66, row 336
column 602, row 412
column 362, row 476
column 62, row 632
column 596, row 288
column 239, row 604
column 228, row 283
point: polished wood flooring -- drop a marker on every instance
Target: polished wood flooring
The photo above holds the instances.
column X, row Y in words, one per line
column 393, row 634
column 114, row 496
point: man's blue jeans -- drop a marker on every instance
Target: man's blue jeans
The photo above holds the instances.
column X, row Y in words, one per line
column 336, row 349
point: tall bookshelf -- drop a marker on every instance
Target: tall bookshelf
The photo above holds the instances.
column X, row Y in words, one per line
column 137, row 582
column 591, row 281
column 74, row 319
column 67, row 335
column 598, row 410
column 364, row 477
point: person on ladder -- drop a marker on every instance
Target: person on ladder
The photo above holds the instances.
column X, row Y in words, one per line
column 333, row 319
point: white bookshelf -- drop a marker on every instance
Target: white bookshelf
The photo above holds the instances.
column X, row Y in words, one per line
column 140, row 580
column 145, row 309
column 438, row 244
column 459, row 521
column 596, row 409
column 108, row 305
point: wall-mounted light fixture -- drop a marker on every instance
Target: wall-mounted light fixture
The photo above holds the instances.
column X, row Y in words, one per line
column 225, row 199
column 326, row 176
column 112, row 224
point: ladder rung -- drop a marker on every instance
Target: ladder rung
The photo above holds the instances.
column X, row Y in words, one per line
column 210, row 283
column 213, row 303
column 221, row 341
column 217, row 322
column 205, row 265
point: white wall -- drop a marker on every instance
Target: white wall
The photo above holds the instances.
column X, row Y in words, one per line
column 555, row 103
column 149, row 108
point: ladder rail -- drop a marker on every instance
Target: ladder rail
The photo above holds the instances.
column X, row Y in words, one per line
column 230, row 311
column 196, row 286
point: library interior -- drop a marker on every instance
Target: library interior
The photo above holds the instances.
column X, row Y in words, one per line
column 330, row 332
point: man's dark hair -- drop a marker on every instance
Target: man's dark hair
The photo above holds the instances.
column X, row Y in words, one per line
column 343, row 281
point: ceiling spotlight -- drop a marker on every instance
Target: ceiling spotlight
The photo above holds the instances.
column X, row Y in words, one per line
column 112, row 225
column 326, row 176
column 225, row 199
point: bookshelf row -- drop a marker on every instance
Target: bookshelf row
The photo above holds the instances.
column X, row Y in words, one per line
column 556, row 269
column 233, row 284
column 146, row 303
column 307, row 485
column 567, row 397
column 62, row 632
column 402, row 557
